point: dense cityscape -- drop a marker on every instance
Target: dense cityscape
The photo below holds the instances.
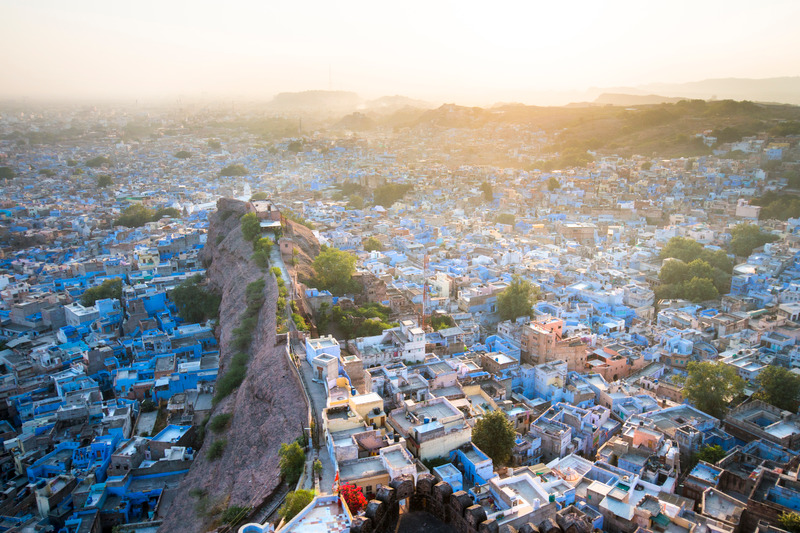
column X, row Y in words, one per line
column 216, row 321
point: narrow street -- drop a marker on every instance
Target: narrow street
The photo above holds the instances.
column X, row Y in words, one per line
column 316, row 391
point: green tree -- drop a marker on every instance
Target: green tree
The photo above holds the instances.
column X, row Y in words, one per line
column 711, row 386
column 700, row 269
column 779, row 387
column 296, row 501
column 682, row 248
column 251, row 227
column 334, row 270
column 234, row 170
column 7, row 173
column 439, row 322
column 373, row 244
column 388, row 194
column 110, row 288
column 259, row 196
column 553, row 184
column 194, row 302
column 517, row 299
column 699, row 290
column 790, row 521
column 673, row 271
column 98, row 161
column 183, row 154
column 134, row 216
column 719, row 259
column 166, row 212
column 711, row 454
column 747, row 237
column 506, row 218
column 494, row 435
column 104, row 180
column 292, row 460
column 214, row 144
column 486, row 189
column 356, row 202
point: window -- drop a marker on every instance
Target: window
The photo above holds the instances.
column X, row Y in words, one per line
column 368, row 489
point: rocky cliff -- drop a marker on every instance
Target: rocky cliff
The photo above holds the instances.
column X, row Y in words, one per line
column 268, row 408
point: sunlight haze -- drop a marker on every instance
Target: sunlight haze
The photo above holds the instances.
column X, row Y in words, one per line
column 469, row 52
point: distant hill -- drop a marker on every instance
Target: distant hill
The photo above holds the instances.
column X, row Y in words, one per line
column 781, row 90
column 355, row 122
column 331, row 101
column 395, row 103
column 633, row 99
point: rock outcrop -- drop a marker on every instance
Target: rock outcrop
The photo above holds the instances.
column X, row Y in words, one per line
column 269, row 407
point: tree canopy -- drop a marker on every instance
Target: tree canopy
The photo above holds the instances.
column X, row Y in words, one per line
column 134, row 216
column 779, row 387
column 183, row 154
column 292, row 459
column 711, row 386
column 104, row 180
column 7, row 173
column 251, row 227
column 110, row 288
column 693, row 272
column 334, row 270
column 494, row 435
column 506, row 218
column 711, row 454
column 747, row 237
column 486, row 189
column 790, row 521
column 166, row 212
column 98, row 161
column 517, row 299
column 373, row 244
column 194, row 302
column 296, row 501
column 260, row 195
column 782, row 205
column 137, row 215
column 553, row 184
column 234, row 170
column 388, row 194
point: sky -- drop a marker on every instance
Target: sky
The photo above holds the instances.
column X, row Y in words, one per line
column 456, row 51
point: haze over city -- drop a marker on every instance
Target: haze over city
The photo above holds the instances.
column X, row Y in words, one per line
column 465, row 52
column 363, row 267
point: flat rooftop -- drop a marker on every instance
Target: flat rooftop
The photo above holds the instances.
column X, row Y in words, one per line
column 359, row 468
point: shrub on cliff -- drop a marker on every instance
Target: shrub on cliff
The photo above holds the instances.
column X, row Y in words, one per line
column 220, row 422
column 216, row 449
column 251, row 227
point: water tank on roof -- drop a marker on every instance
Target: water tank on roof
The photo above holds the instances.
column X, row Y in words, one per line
column 426, row 420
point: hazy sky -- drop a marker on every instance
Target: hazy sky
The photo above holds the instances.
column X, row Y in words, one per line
column 462, row 51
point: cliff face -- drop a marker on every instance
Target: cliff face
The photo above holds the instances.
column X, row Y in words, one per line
column 268, row 408
column 305, row 248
